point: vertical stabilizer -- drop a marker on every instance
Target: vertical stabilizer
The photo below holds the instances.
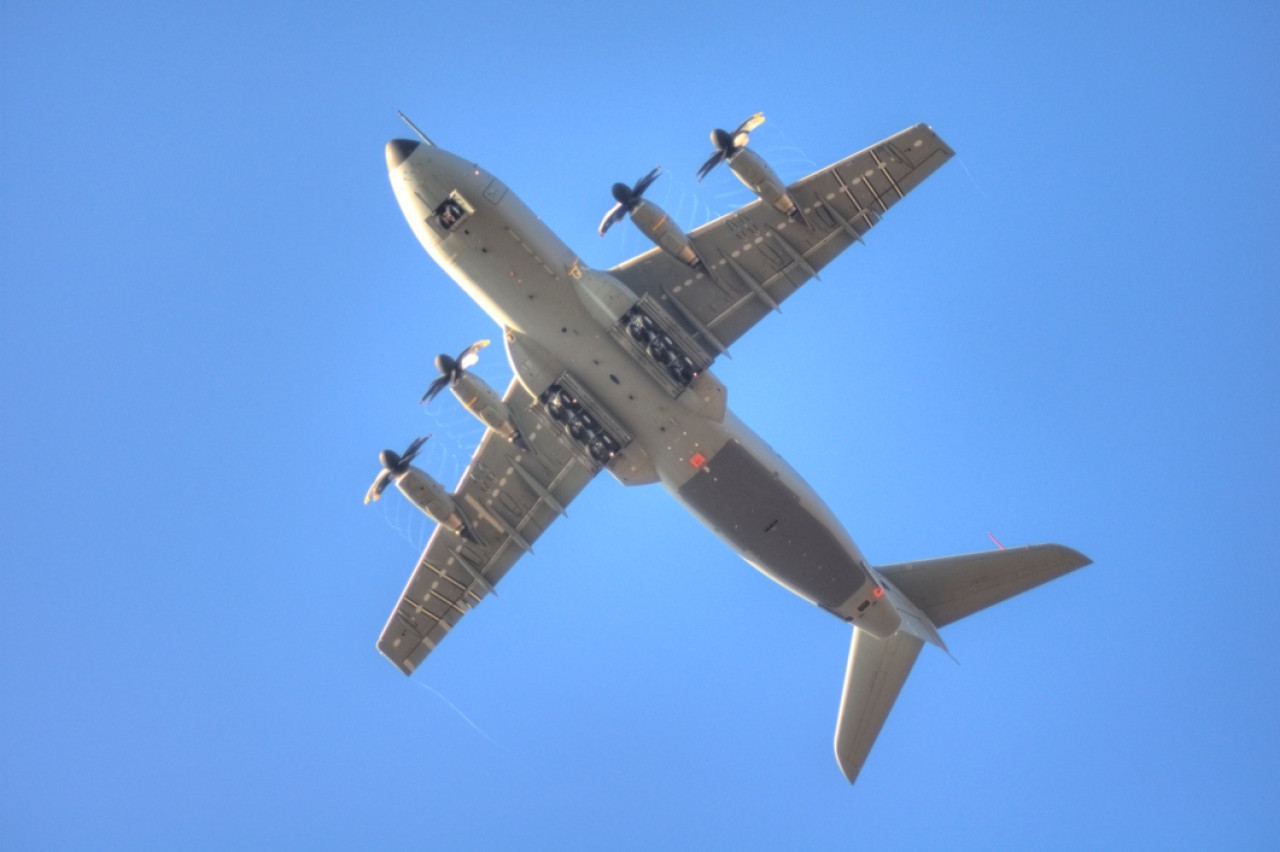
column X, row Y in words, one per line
column 877, row 669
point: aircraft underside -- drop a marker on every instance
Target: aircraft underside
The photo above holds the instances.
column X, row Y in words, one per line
column 613, row 372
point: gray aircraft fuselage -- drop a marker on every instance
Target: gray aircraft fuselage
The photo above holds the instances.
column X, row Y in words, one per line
column 556, row 314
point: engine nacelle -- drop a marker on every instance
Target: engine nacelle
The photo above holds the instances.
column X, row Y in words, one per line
column 483, row 401
column 758, row 177
column 433, row 499
column 655, row 224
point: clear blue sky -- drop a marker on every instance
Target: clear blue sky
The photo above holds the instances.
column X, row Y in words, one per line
column 213, row 316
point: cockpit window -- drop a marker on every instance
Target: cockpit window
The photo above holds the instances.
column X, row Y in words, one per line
column 452, row 211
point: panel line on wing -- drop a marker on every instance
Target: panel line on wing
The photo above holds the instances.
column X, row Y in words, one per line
column 864, row 211
column 543, row 492
column 477, row 574
column 499, row 523
column 422, row 609
column 884, row 169
column 693, row 320
column 782, row 273
column 442, row 574
column 408, row 623
column 754, row 285
column 818, row 201
column 796, row 258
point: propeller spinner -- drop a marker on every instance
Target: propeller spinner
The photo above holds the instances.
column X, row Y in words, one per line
column 393, row 465
column 727, row 144
column 451, row 369
column 627, row 198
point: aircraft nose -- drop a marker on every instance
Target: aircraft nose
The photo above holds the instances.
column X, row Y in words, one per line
column 398, row 150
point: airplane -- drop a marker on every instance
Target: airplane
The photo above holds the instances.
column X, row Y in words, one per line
column 612, row 371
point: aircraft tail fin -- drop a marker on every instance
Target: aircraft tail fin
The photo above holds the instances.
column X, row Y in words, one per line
column 929, row 594
column 877, row 670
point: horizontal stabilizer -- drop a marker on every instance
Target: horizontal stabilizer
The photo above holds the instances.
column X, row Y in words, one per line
column 950, row 588
column 877, row 669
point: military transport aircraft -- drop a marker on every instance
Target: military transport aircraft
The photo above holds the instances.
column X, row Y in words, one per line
column 613, row 372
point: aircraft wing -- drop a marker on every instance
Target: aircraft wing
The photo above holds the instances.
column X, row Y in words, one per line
column 509, row 496
column 758, row 258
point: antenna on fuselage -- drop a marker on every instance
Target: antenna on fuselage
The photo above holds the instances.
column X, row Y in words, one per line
column 421, row 135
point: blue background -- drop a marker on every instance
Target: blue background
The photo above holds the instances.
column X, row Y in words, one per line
column 213, row 316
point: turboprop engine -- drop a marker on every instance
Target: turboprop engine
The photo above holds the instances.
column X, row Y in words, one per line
column 421, row 490
column 474, row 393
column 751, row 168
column 483, row 401
column 652, row 221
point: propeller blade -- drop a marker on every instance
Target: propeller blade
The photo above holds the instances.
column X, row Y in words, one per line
column 615, row 215
column 727, row 144
column 393, row 465
column 471, row 354
column 644, row 182
column 627, row 198
column 745, row 128
column 711, row 163
column 451, row 369
column 438, row 385
column 412, row 452
column 379, row 485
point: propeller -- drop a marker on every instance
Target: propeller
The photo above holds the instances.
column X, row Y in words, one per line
column 727, row 144
column 627, row 198
column 393, row 465
column 451, row 369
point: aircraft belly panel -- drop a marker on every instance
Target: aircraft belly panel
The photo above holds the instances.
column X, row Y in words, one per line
column 747, row 505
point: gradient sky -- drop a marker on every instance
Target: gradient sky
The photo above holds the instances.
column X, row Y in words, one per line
column 213, row 316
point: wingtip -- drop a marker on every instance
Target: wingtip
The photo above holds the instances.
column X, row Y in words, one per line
column 1071, row 555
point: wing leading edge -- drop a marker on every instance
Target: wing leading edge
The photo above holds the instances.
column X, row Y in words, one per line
column 509, row 496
